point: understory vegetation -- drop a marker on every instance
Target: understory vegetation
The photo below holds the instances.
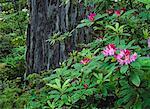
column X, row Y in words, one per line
column 112, row 71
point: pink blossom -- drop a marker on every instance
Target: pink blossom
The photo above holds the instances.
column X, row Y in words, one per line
column 118, row 12
column 85, row 61
column 133, row 57
column 123, row 9
column 109, row 50
column 125, row 58
column 91, row 17
column 109, row 11
column 85, row 86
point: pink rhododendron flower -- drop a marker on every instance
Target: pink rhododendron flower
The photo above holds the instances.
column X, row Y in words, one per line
column 85, row 61
column 109, row 11
column 133, row 57
column 118, row 12
column 85, row 86
column 125, row 58
column 123, row 9
column 91, row 17
column 109, row 50
column 127, row 52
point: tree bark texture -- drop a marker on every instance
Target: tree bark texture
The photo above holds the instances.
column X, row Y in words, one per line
column 48, row 17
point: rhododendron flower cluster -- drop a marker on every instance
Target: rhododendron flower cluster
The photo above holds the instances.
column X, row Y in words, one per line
column 110, row 11
column 109, row 50
column 124, row 57
column 91, row 17
column 117, row 12
column 85, row 61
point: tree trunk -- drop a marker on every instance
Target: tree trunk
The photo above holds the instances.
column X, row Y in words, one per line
column 48, row 17
column 0, row 9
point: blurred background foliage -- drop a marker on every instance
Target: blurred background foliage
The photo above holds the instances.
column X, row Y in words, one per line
column 13, row 25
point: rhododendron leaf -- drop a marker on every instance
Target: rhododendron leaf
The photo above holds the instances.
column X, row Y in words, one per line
column 96, row 51
column 104, row 91
column 126, row 34
column 55, row 87
column 88, row 92
column 117, row 40
column 138, row 105
column 144, row 62
column 81, row 25
column 145, row 33
column 99, row 77
column 110, row 72
column 144, row 1
column 69, row 62
column 124, row 69
column 128, row 13
column 135, row 79
column 85, row 21
column 51, row 105
column 75, row 97
column 111, row 27
column 135, row 47
column 124, row 99
column 130, row 44
column 54, row 92
column 77, row 66
column 99, row 16
column 136, row 65
column 122, row 44
column 66, row 84
column 117, row 26
column 58, row 82
column 64, row 98
column 97, row 28
column 148, row 6
column 121, row 28
column 71, row 88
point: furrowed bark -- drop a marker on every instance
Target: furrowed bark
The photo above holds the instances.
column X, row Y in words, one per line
column 48, row 17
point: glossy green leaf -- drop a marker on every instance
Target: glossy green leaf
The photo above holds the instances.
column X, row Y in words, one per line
column 135, row 79
column 124, row 69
